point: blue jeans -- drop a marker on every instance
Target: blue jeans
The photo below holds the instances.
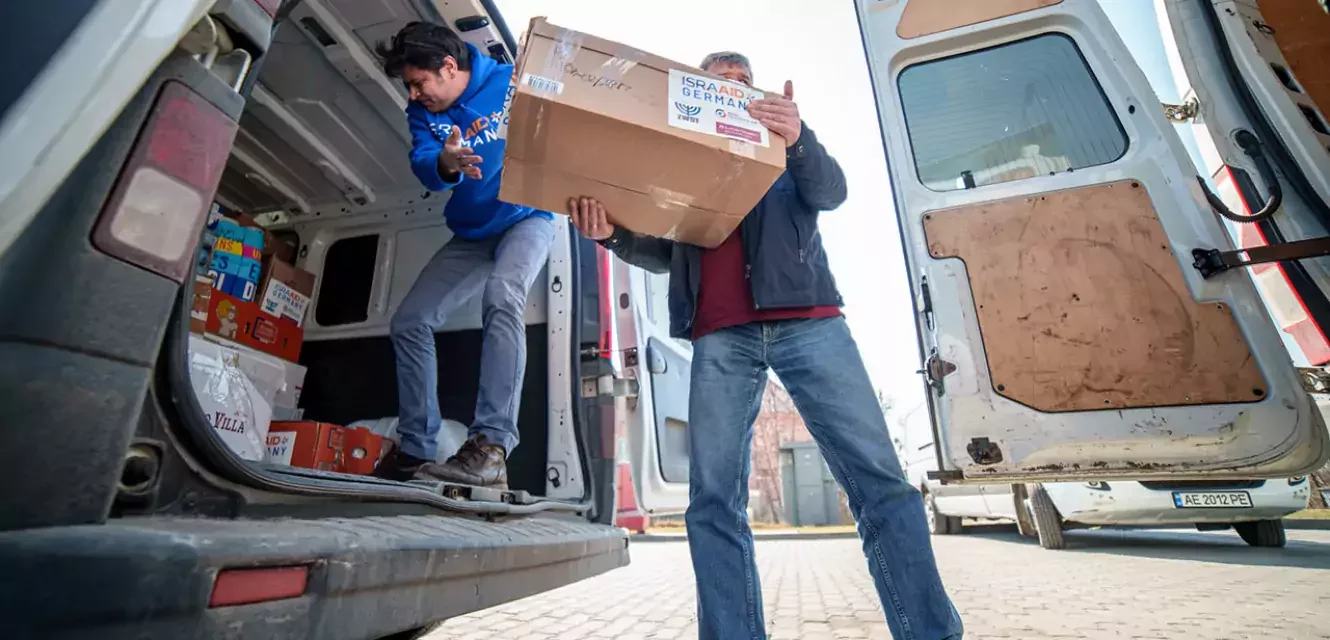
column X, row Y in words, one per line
column 819, row 364
column 501, row 269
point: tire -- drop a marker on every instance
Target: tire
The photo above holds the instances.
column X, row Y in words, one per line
column 938, row 524
column 1262, row 533
column 1047, row 520
column 1024, row 520
column 414, row 634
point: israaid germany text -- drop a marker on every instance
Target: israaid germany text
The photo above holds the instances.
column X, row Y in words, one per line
column 715, row 93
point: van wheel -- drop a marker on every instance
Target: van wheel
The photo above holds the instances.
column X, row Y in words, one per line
column 1024, row 520
column 413, row 634
column 1262, row 533
column 938, row 524
column 1047, row 520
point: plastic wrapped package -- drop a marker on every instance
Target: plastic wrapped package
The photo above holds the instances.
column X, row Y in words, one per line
column 237, row 409
column 449, row 439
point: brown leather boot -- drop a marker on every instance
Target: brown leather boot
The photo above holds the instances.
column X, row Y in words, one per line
column 478, row 463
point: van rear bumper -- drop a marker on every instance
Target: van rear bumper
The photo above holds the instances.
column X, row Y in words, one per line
column 367, row 577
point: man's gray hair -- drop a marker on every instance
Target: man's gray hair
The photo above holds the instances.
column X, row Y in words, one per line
column 727, row 57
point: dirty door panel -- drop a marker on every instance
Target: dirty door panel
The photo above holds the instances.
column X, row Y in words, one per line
column 1052, row 212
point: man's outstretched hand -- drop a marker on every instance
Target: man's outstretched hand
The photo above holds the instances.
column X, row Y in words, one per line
column 780, row 114
column 589, row 217
column 458, row 158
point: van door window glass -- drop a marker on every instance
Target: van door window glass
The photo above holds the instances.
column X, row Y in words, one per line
column 1012, row 112
column 347, row 281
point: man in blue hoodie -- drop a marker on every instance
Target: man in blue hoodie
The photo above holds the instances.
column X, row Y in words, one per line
column 456, row 108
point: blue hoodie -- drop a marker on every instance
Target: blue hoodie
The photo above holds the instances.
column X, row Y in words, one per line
column 474, row 212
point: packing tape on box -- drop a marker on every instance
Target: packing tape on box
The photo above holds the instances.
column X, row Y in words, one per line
column 666, row 199
column 743, row 148
column 559, row 65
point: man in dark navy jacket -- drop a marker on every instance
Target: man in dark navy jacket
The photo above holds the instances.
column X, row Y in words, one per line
column 765, row 300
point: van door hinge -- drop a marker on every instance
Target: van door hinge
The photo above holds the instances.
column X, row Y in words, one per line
column 1182, row 113
column 1213, row 261
column 926, row 303
column 1314, row 379
column 935, row 370
column 608, row 386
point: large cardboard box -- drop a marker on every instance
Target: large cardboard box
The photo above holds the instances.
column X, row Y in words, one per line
column 669, row 150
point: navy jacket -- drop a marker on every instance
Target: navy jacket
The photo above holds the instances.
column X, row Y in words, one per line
column 786, row 263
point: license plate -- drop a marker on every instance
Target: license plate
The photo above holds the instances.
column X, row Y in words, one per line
column 1212, row 499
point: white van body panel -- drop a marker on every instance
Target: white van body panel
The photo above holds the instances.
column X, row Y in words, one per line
column 76, row 98
column 1276, row 436
column 1125, row 502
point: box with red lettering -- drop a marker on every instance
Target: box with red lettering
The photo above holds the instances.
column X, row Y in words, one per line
column 323, row 446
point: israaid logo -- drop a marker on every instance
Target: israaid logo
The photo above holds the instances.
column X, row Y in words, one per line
column 688, row 112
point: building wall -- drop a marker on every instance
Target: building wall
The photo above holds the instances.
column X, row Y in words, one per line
column 778, row 422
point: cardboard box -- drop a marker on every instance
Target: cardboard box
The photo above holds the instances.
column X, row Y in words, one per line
column 236, row 408
column 268, row 242
column 669, row 150
column 287, row 291
column 243, row 322
column 323, row 446
column 279, row 380
column 236, row 262
column 198, row 306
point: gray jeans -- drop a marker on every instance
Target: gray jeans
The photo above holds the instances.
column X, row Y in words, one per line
column 502, row 270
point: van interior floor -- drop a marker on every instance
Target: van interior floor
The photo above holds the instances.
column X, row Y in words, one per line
column 355, row 379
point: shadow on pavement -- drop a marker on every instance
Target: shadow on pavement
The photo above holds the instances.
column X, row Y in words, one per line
column 1181, row 544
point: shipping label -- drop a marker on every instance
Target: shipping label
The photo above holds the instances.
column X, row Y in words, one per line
column 715, row 107
column 279, row 446
column 282, row 301
column 542, row 85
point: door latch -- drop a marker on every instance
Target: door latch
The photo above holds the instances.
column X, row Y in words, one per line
column 1213, row 261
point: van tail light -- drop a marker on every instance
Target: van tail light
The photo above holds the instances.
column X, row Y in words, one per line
column 234, row 587
column 606, row 301
column 1287, row 307
column 269, row 5
column 158, row 206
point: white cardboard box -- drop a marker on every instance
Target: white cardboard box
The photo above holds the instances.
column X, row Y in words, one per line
column 280, row 381
column 236, row 408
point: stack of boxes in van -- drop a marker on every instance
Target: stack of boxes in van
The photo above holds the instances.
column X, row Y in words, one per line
column 246, row 325
column 243, row 361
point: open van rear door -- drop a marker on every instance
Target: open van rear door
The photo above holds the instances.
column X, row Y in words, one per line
column 657, row 434
column 1257, row 66
column 1048, row 214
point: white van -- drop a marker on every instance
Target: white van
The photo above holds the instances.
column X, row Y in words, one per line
column 1065, row 332
column 141, row 520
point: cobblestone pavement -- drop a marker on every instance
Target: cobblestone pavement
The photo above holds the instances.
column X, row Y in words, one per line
column 1107, row 584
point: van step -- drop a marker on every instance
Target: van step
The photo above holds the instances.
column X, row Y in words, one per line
column 476, row 496
column 367, row 577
